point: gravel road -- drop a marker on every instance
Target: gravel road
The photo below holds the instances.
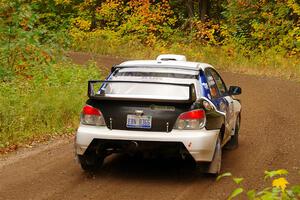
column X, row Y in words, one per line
column 269, row 139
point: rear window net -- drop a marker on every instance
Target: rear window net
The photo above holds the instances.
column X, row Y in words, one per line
column 156, row 74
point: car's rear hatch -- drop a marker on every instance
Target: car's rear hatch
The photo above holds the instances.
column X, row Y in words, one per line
column 159, row 116
column 147, row 106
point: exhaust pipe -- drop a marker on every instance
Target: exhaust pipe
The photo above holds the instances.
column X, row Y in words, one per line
column 131, row 146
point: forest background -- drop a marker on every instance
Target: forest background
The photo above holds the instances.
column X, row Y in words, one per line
column 37, row 82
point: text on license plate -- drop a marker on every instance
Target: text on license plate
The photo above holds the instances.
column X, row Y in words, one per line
column 134, row 121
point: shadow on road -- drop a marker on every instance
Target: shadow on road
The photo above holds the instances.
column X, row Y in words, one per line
column 150, row 169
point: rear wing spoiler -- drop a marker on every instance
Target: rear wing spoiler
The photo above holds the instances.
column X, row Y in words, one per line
column 93, row 95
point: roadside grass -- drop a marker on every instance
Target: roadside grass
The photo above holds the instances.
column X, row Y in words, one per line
column 46, row 104
column 227, row 58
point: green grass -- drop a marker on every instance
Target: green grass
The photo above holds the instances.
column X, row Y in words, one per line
column 226, row 58
column 47, row 104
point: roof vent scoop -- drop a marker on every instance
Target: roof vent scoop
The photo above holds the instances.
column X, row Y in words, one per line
column 171, row 57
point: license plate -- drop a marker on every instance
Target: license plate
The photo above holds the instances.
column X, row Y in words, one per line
column 134, row 121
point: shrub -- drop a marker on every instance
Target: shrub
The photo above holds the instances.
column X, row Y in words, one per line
column 48, row 103
column 279, row 189
column 262, row 25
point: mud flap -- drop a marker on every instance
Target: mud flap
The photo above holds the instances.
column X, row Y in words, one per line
column 213, row 167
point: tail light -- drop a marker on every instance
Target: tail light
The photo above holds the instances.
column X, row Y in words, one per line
column 92, row 116
column 191, row 120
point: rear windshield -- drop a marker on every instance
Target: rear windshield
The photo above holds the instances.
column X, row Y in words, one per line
column 145, row 90
column 155, row 90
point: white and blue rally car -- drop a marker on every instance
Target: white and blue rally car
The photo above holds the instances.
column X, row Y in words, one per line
column 167, row 106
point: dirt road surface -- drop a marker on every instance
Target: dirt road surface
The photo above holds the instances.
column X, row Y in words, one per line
column 269, row 139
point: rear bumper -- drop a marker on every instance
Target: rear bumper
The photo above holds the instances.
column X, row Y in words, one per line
column 199, row 143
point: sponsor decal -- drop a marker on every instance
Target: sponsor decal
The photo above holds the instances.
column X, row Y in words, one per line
column 205, row 86
column 162, row 108
column 222, row 106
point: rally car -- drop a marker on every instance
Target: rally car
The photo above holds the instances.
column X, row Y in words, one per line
column 168, row 106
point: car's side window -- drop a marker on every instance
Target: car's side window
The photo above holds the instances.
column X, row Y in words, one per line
column 219, row 82
column 211, row 84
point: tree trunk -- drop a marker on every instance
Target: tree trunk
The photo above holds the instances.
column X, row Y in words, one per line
column 190, row 8
column 204, row 9
column 218, row 9
column 93, row 9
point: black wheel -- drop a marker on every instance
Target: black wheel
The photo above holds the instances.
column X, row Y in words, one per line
column 91, row 162
column 233, row 143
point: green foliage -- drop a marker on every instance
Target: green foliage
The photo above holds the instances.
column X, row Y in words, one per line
column 16, row 38
column 21, row 47
column 224, row 175
column 144, row 20
column 260, row 37
column 271, row 174
column 278, row 191
column 39, row 93
column 238, row 180
column 48, row 103
column 258, row 26
column 225, row 58
column 251, row 27
column 235, row 193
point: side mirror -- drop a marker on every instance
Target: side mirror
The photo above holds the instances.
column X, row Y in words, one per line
column 234, row 90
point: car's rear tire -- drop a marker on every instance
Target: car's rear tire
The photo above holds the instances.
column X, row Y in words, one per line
column 90, row 162
column 233, row 143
